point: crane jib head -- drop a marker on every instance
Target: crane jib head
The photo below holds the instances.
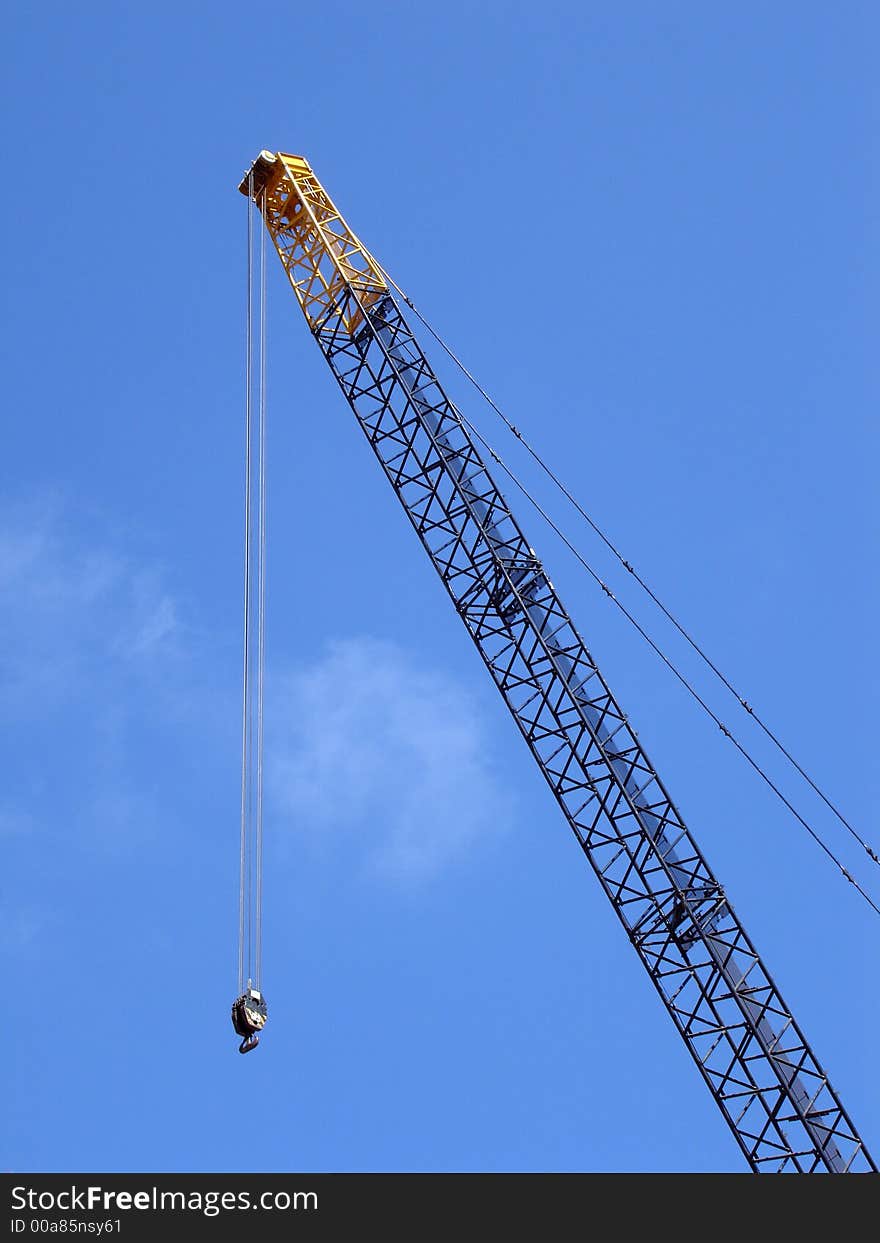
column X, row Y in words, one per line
column 335, row 278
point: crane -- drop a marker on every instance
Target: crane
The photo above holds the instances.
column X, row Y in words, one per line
column 746, row 1044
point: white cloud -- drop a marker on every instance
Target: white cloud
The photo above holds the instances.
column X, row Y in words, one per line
column 367, row 744
column 71, row 614
column 371, row 745
column 92, row 668
column 152, row 621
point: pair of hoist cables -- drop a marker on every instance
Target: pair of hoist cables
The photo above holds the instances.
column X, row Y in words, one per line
column 250, row 897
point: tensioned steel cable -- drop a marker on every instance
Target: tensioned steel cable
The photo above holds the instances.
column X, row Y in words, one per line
column 243, row 887
column 627, row 565
column 261, row 620
column 817, row 838
column 250, row 899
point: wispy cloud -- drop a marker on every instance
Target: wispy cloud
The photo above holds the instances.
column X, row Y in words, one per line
column 90, row 637
column 152, row 622
column 72, row 612
column 366, row 744
column 371, row 745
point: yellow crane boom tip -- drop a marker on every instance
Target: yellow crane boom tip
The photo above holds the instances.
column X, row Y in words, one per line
column 265, row 165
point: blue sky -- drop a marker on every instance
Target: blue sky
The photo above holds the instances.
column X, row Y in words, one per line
column 651, row 230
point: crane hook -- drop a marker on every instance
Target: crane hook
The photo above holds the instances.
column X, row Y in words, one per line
column 249, row 1016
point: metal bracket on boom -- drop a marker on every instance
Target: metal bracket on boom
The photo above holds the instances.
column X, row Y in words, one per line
column 524, row 576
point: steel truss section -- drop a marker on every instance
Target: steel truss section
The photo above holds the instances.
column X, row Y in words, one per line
column 771, row 1089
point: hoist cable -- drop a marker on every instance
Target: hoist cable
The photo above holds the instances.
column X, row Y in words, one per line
column 250, row 900
column 817, row 838
column 261, row 621
column 627, row 565
column 243, row 911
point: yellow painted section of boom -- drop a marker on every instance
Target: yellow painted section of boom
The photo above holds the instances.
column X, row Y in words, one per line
column 320, row 254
